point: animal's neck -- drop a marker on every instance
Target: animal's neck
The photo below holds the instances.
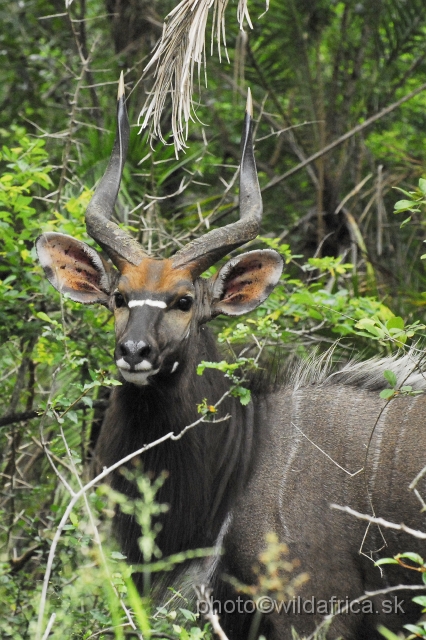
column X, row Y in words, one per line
column 205, row 467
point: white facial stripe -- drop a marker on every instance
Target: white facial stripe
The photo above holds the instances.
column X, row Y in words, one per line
column 150, row 303
column 175, row 366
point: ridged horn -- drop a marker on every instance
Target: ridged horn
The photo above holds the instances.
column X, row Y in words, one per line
column 203, row 252
column 119, row 245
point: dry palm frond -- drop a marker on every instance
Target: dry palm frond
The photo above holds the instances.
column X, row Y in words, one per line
column 180, row 51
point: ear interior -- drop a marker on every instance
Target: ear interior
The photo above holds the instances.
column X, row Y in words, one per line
column 245, row 282
column 73, row 267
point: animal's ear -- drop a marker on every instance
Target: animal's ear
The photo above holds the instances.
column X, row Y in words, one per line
column 245, row 281
column 74, row 268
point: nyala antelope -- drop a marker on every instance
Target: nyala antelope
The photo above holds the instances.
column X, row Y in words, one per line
column 277, row 464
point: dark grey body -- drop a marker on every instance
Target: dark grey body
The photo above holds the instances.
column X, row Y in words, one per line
column 258, row 472
column 293, row 484
column 236, row 481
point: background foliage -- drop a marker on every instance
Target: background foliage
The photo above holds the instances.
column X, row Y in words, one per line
column 317, row 70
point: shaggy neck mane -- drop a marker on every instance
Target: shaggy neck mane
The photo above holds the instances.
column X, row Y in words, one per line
column 205, row 469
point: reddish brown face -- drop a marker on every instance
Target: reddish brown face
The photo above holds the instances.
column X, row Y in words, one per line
column 156, row 305
column 159, row 304
column 153, row 307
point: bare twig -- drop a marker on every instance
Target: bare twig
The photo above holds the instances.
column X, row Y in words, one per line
column 83, row 490
column 180, row 52
column 97, row 537
column 346, row 136
column 30, row 415
column 326, row 454
column 353, row 192
column 367, row 595
column 16, row 564
column 205, row 604
column 381, row 521
column 49, row 626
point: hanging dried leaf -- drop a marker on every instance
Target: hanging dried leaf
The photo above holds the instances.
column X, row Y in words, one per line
column 181, row 52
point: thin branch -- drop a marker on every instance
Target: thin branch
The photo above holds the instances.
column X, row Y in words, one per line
column 97, row 537
column 83, row 490
column 35, row 413
column 380, row 521
column 49, row 626
column 16, row 564
column 354, row 191
column 367, row 595
column 346, row 136
column 326, row 454
column 205, row 601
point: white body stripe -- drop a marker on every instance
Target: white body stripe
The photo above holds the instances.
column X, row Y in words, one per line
column 150, row 303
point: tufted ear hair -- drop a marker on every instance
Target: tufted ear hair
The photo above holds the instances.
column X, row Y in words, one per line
column 244, row 282
column 73, row 267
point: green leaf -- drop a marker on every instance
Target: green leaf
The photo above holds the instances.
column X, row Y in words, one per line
column 404, row 222
column 72, row 415
column 403, row 204
column 419, row 631
column 421, row 600
column 414, row 557
column 395, row 323
column 189, row 615
column 243, row 394
column 387, row 393
column 409, row 194
column 138, row 607
column 385, row 561
column 43, row 316
column 390, row 377
column 422, row 186
column 389, row 635
column 371, row 325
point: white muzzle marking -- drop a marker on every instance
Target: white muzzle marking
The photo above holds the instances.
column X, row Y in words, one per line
column 143, row 366
column 139, row 375
column 122, row 364
column 140, row 378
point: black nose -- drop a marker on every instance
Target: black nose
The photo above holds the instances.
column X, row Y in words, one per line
column 127, row 350
column 134, row 352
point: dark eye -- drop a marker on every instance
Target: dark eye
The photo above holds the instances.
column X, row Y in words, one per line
column 119, row 300
column 185, row 303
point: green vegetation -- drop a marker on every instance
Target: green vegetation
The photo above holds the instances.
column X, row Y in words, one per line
column 354, row 273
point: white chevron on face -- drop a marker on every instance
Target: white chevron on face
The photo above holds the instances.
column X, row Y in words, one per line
column 149, row 303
